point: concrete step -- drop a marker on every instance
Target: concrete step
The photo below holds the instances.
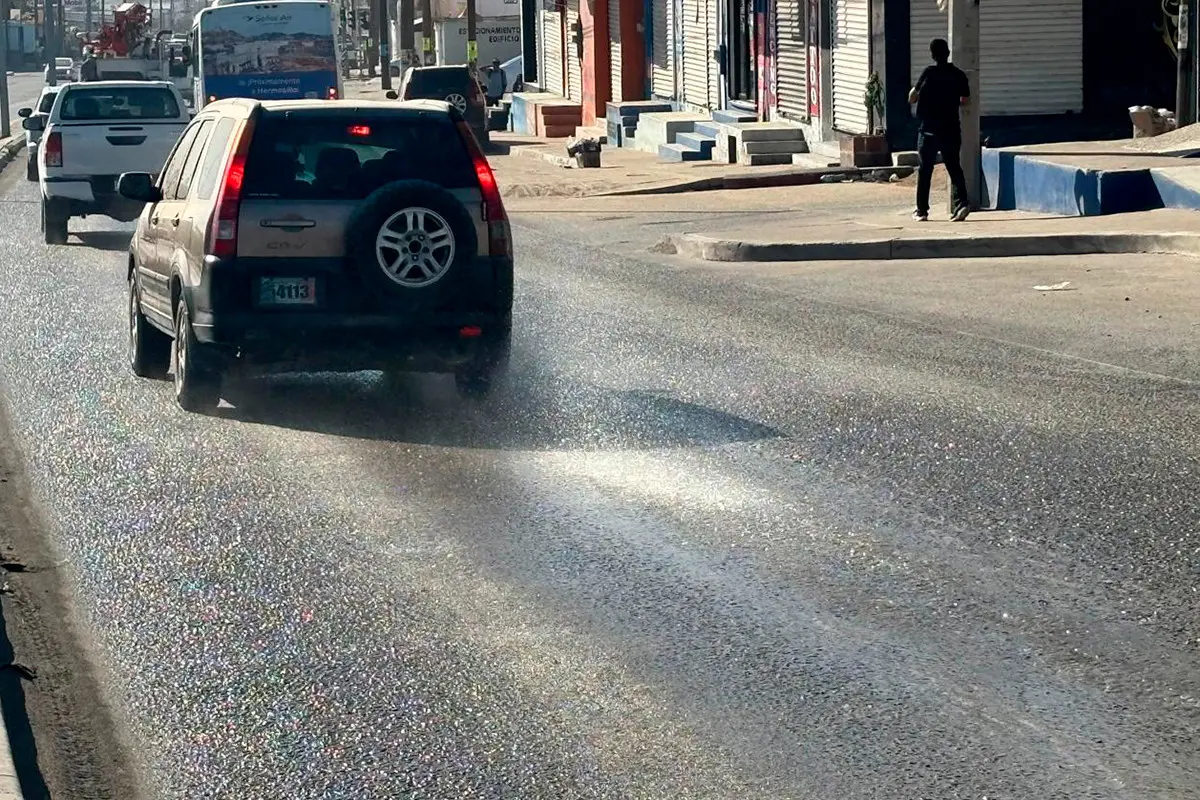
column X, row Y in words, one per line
column 765, row 159
column 710, row 129
column 732, row 115
column 753, row 148
column 695, row 141
column 633, row 109
column 769, row 132
column 659, row 128
column 677, row 152
column 814, row 161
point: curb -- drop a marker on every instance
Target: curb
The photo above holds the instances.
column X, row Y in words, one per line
column 763, row 180
column 708, row 248
column 9, row 149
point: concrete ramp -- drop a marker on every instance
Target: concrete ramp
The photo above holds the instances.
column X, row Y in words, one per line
column 1178, row 187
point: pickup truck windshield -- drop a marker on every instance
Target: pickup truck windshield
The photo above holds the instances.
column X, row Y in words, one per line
column 115, row 103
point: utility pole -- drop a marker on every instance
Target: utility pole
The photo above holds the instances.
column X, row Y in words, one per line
column 381, row 30
column 407, row 21
column 1185, row 102
column 5, row 122
column 51, row 49
column 427, row 54
column 87, row 19
column 472, row 45
column 964, row 52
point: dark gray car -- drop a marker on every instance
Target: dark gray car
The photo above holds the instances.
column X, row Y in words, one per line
column 456, row 85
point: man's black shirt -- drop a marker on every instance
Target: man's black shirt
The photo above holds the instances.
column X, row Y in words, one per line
column 939, row 92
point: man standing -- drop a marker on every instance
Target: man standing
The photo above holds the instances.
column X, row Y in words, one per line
column 497, row 83
column 940, row 92
column 89, row 70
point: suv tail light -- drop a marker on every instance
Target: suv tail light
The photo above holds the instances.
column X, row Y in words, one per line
column 53, row 150
column 499, row 234
column 223, row 227
column 477, row 96
column 333, row 93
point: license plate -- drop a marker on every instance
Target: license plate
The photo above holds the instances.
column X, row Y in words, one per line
column 287, row 291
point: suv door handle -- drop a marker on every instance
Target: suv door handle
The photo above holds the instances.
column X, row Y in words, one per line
column 288, row 223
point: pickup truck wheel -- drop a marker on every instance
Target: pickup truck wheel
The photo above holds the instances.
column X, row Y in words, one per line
column 197, row 382
column 149, row 349
column 54, row 223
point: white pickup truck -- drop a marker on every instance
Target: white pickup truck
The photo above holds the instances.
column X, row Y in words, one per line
column 96, row 131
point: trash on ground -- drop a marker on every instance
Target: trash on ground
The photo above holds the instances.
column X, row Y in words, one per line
column 1065, row 286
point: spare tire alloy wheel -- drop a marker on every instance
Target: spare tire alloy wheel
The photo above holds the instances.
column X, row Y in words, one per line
column 458, row 101
column 415, row 247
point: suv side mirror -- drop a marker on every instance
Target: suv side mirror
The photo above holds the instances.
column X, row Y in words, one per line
column 25, row 112
column 391, row 95
column 138, row 186
column 32, row 123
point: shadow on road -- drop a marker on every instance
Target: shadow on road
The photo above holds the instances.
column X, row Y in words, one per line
column 116, row 241
column 422, row 409
column 16, row 721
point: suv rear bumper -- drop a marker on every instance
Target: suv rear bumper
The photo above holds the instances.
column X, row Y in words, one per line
column 346, row 339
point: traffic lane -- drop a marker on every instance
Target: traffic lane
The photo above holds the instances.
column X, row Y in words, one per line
column 24, row 88
column 627, row 556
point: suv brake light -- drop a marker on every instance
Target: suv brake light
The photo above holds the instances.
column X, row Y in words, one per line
column 222, row 230
column 53, row 150
column 499, row 234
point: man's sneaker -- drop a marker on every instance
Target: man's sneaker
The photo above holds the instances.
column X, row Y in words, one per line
column 961, row 214
column 920, row 217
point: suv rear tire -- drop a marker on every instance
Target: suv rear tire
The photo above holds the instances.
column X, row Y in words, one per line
column 381, row 208
column 54, row 222
column 197, row 382
column 149, row 349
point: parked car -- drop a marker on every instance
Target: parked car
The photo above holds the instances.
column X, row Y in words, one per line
column 456, row 85
column 64, row 70
column 325, row 235
column 33, row 135
column 96, row 131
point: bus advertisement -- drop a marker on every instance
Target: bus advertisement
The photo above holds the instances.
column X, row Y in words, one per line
column 267, row 51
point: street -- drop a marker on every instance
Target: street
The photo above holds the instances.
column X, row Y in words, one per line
column 746, row 531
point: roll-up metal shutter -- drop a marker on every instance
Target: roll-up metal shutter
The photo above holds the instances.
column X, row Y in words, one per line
column 662, row 67
column 614, row 48
column 925, row 23
column 791, row 62
column 552, row 61
column 714, row 66
column 695, row 53
column 851, row 64
column 1030, row 57
column 1030, row 53
column 574, row 65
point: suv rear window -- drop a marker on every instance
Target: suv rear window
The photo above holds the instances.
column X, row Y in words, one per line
column 105, row 103
column 434, row 84
column 47, row 103
column 341, row 158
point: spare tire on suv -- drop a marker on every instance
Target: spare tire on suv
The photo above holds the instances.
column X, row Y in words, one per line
column 412, row 241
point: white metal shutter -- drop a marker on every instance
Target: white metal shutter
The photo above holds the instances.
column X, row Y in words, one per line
column 662, row 78
column 574, row 65
column 791, row 57
column 552, row 36
column 851, row 64
column 614, row 48
column 713, row 41
column 696, row 53
column 925, row 23
column 1031, row 56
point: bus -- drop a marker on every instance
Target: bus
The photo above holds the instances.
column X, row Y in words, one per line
column 268, row 51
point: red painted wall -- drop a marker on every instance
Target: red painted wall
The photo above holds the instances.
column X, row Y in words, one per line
column 597, row 89
column 633, row 50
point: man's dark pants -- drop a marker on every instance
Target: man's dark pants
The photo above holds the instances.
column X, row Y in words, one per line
column 949, row 144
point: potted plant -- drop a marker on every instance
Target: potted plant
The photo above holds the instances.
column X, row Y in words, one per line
column 869, row 149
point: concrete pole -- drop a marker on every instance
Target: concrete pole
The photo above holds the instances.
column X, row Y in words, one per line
column 964, row 52
column 5, row 122
column 382, row 24
column 472, row 46
column 408, row 18
column 51, row 47
column 1185, row 107
column 428, row 57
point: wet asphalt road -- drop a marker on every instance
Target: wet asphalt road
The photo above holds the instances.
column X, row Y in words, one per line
column 717, row 541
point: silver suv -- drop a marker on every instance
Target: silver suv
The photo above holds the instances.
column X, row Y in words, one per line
column 316, row 235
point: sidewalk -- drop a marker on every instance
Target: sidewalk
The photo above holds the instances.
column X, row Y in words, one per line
column 893, row 234
column 531, row 167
